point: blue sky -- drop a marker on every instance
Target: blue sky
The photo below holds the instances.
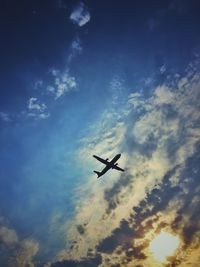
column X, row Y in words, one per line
column 97, row 77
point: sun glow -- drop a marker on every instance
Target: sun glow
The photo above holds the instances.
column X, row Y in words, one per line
column 164, row 245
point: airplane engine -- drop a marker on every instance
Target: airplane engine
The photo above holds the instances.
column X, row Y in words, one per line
column 115, row 165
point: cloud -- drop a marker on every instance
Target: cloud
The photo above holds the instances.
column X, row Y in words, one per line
column 162, row 69
column 80, row 15
column 159, row 138
column 76, row 45
column 33, row 104
column 63, row 83
column 75, row 49
column 24, row 254
column 87, row 262
column 36, row 109
column 17, row 252
column 38, row 84
column 8, row 236
column 5, row 116
column 117, row 88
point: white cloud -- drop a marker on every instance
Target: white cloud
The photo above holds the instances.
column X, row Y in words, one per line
column 33, row 104
column 43, row 115
column 63, row 83
column 80, row 15
column 36, row 109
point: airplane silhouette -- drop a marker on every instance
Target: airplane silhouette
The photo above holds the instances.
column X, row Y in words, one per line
column 109, row 165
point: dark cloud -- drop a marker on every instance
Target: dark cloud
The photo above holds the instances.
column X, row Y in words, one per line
column 145, row 149
column 118, row 237
column 80, row 229
column 123, row 237
column 191, row 201
column 159, row 197
column 136, row 252
column 110, row 195
column 82, row 263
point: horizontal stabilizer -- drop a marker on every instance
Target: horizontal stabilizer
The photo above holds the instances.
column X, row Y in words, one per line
column 118, row 168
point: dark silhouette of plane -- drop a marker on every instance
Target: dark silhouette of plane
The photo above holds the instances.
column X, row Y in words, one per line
column 109, row 165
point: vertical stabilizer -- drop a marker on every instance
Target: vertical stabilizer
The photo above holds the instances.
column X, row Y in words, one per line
column 98, row 173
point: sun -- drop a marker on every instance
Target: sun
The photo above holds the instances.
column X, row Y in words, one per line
column 164, row 245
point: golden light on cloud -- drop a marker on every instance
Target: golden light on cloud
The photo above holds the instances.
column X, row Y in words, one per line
column 164, row 245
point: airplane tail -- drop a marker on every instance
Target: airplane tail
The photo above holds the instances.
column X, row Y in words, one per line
column 98, row 173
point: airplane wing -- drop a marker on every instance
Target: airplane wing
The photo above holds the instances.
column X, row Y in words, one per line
column 118, row 168
column 101, row 160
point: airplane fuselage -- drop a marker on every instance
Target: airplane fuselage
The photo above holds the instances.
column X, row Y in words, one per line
column 115, row 159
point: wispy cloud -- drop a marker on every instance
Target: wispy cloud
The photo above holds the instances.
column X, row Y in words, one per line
column 117, row 87
column 5, row 116
column 162, row 69
column 75, row 49
column 38, row 84
column 80, row 15
column 76, row 45
column 63, row 83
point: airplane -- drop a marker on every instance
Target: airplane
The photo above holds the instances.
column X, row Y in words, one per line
column 109, row 165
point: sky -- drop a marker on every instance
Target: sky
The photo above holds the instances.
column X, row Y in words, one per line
column 79, row 78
